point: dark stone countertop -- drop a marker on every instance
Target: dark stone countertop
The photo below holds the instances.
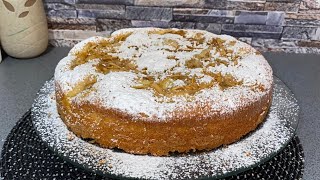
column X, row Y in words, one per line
column 21, row 79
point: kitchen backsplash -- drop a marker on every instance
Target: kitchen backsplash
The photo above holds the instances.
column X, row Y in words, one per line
column 269, row 25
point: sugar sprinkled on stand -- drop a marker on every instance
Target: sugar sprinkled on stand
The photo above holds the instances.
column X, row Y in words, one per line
column 272, row 135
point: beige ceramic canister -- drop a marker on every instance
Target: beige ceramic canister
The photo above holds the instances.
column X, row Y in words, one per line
column 23, row 28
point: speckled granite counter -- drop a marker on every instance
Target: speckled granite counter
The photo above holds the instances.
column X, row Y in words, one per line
column 21, row 79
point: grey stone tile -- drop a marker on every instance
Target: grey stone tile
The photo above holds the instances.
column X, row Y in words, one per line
column 148, row 13
column 75, row 34
column 62, row 13
column 99, row 14
column 297, row 50
column 215, row 4
column 257, row 5
column 160, row 24
column 170, row 3
column 181, row 25
column 105, row 7
column 199, row 11
column 101, row 11
column 275, row 18
column 272, row 43
column 252, row 34
column 303, row 22
column 111, row 2
column 203, row 15
column 208, row 19
column 302, row 50
column 112, row 24
column 310, row 4
column 252, row 28
column 261, row 31
column 58, row 6
column 83, row 27
column 277, row 45
column 60, row 10
column 60, row 1
column 289, row 46
column 245, row 40
column 306, row 33
column 287, row 7
column 73, row 21
column 251, row 17
column 164, row 24
column 211, row 27
column 287, row 1
column 309, row 7
column 63, row 42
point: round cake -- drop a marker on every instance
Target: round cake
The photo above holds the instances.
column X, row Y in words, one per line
column 159, row 91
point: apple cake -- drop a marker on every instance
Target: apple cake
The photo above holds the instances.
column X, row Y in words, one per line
column 156, row 91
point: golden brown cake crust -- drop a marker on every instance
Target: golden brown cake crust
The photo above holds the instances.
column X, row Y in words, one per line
column 200, row 126
column 110, row 128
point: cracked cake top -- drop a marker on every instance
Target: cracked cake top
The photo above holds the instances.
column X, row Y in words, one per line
column 158, row 74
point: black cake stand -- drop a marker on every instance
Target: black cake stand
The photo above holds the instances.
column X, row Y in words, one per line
column 25, row 156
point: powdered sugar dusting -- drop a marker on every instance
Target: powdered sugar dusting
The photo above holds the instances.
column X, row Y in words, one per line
column 69, row 79
column 118, row 93
column 158, row 54
column 267, row 140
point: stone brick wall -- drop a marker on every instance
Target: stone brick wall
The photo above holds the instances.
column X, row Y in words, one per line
column 269, row 25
